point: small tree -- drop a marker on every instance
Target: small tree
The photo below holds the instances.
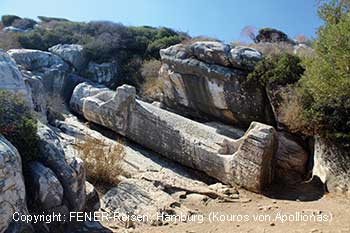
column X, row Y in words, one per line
column 250, row 32
column 280, row 69
column 324, row 91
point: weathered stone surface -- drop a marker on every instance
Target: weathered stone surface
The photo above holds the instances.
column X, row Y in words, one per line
column 11, row 78
column 104, row 73
column 12, row 29
column 139, row 163
column 92, row 198
column 244, row 57
column 152, row 175
column 213, row 52
column 210, row 79
column 12, row 189
column 81, row 93
column 39, row 95
column 332, row 166
column 72, row 53
column 49, row 68
column 36, row 60
column 140, row 197
column 68, row 169
column 291, row 159
column 45, row 188
column 245, row 161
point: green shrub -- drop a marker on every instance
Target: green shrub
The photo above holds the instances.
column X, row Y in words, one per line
column 324, row 90
column 7, row 20
column 106, row 41
column 18, row 125
column 281, row 69
column 42, row 39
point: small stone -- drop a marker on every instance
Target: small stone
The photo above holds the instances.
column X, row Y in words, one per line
column 245, row 200
column 272, row 224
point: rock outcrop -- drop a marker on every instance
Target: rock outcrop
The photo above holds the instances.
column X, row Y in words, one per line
column 46, row 190
column 67, row 167
column 291, row 159
column 36, row 60
column 332, row 166
column 246, row 161
column 11, row 78
column 140, row 197
column 104, row 73
column 12, row 189
column 72, row 54
column 48, row 67
column 210, row 79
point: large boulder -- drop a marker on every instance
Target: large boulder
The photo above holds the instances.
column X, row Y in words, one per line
column 67, row 167
column 213, row 52
column 11, row 78
column 50, row 68
column 291, row 159
column 246, row 161
column 72, row 53
column 12, row 189
column 39, row 95
column 332, row 165
column 36, row 60
column 45, row 189
column 210, row 79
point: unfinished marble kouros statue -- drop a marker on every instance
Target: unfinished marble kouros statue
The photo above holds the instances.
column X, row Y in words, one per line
column 246, row 161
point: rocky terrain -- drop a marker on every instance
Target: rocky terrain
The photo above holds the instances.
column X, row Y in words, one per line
column 213, row 143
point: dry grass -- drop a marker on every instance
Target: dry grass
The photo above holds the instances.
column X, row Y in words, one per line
column 292, row 114
column 273, row 49
column 9, row 40
column 197, row 39
column 152, row 87
column 102, row 162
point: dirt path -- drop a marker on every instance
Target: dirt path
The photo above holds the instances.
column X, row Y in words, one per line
column 335, row 212
column 307, row 208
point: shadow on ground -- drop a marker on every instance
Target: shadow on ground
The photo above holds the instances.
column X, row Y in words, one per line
column 304, row 191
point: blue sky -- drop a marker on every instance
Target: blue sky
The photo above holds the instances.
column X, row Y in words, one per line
column 222, row 19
